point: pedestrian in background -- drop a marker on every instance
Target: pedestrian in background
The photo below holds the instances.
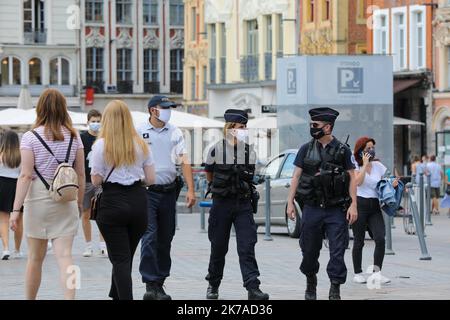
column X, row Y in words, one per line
column 88, row 138
column 120, row 162
column 414, row 164
column 421, row 168
column 369, row 171
column 436, row 176
column 44, row 218
column 9, row 172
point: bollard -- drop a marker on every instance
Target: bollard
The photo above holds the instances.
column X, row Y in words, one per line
column 418, row 224
column 267, row 235
column 387, row 222
column 422, row 196
column 429, row 206
column 202, row 209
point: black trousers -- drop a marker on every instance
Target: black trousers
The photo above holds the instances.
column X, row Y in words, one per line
column 369, row 217
column 122, row 220
column 223, row 214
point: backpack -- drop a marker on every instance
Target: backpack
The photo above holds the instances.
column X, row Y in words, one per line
column 64, row 187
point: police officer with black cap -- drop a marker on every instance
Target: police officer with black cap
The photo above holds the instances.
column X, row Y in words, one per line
column 168, row 149
column 324, row 186
column 230, row 168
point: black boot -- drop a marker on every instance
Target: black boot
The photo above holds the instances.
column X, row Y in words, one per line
column 311, row 288
column 212, row 293
column 257, row 294
column 155, row 291
column 335, row 293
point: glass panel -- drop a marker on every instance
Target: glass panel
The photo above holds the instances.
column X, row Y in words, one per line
column 35, row 71
column 65, row 72
column 273, row 167
column 5, row 72
column 288, row 167
column 54, row 71
column 16, row 71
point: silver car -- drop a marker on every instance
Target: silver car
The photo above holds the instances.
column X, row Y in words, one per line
column 280, row 169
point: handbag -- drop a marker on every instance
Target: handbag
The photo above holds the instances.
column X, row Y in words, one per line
column 95, row 201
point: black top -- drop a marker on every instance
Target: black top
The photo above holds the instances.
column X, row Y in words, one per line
column 88, row 141
column 348, row 165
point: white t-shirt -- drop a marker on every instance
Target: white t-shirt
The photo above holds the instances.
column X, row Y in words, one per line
column 368, row 189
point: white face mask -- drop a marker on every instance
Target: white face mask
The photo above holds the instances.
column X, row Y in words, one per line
column 94, row 126
column 164, row 115
column 241, row 134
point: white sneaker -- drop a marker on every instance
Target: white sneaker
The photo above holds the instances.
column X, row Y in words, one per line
column 88, row 252
column 17, row 254
column 49, row 245
column 359, row 278
column 381, row 278
column 5, row 255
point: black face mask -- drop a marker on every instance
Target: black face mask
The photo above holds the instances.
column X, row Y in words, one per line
column 317, row 133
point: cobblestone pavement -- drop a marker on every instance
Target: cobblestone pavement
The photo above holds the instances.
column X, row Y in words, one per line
column 278, row 261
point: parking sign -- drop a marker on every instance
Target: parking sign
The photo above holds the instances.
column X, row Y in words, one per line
column 291, row 81
column 350, row 80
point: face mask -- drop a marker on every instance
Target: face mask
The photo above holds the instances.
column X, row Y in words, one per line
column 241, row 134
column 164, row 115
column 316, row 133
column 94, row 126
column 371, row 152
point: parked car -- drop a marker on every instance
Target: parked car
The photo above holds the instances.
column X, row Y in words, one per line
column 280, row 169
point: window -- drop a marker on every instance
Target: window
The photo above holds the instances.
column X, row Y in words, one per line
column 94, row 65
column 176, row 12
column 35, row 71
column 268, row 33
column 361, row 10
column 193, row 23
column 381, row 26
column 326, row 10
column 280, row 35
column 310, row 11
column 205, row 79
column 176, row 66
column 213, row 42
column 150, row 8
column 288, row 167
column 193, row 84
column 33, row 15
column 123, row 11
column 399, row 41
column 124, row 68
column 223, row 41
column 252, row 37
column 59, row 71
column 448, row 67
column 151, row 69
column 273, row 167
column 94, row 11
column 418, row 37
column 10, row 71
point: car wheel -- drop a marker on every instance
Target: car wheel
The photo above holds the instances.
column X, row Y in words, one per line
column 293, row 226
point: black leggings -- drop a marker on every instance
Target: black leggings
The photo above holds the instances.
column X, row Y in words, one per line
column 369, row 217
column 122, row 220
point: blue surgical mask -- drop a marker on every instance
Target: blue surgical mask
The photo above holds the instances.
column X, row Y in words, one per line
column 94, row 126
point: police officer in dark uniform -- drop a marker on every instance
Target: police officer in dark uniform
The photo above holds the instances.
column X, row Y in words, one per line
column 324, row 186
column 230, row 168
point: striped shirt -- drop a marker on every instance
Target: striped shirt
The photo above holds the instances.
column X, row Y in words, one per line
column 45, row 163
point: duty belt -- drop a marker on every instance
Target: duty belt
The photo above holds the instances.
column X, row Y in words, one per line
column 163, row 188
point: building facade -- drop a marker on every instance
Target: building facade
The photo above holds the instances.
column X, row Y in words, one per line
column 131, row 49
column 333, row 27
column 403, row 29
column 245, row 37
column 38, row 49
column 195, row 58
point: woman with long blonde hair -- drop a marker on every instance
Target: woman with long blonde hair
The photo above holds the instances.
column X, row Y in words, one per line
column 122, row 163
column 44, row 218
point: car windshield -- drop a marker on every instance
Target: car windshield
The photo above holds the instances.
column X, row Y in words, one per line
column 288, row 167
column 273, row 167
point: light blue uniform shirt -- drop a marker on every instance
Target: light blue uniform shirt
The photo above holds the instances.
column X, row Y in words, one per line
column 435, row 174
column 167, row 145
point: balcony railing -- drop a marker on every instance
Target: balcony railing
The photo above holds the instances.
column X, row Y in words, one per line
column 176, row 86
column 268, row 65
column 99, row 86
column 35, row 36
column 151, row 87
column 223, row 71
column 125, row 86
column 249, row 68
column 212, row 70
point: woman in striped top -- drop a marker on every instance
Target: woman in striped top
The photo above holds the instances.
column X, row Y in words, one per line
column 44, row 218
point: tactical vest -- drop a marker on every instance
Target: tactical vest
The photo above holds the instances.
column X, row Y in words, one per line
column 324, row 181
column 232, row 180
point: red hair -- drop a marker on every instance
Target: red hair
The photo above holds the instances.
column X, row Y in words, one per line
column 360, row 144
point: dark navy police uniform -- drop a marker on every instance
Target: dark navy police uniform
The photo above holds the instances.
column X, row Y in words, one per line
column 233, row 167
column 317, row 220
